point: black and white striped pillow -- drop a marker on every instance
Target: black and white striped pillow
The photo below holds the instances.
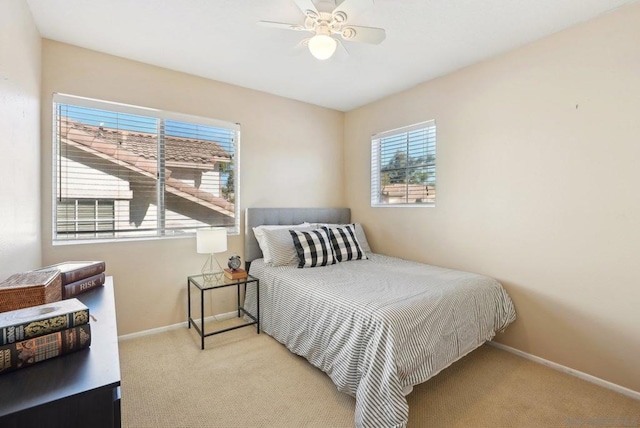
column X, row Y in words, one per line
column 280, row 247
column 313, row 248
column 345, row 244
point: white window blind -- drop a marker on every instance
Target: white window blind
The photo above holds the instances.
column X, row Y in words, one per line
column 123, row 172
column 403, row 166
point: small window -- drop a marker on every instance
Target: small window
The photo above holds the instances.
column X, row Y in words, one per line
column 126, row 172
column 77, row 216
column 403, row 166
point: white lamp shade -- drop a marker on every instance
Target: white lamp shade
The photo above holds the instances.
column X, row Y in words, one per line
column 213, row 240
column 322, row 46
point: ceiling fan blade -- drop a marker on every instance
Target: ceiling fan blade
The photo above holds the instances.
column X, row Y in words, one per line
column 282, row 25
column 301, row 47
column 356, row 33
column 348, row 9
column 342, row 54
column 308, row 8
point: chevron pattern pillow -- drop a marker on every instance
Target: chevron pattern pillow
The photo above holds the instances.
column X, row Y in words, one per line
column 313, row 248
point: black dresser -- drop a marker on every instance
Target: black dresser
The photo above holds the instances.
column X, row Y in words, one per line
column 81, row 389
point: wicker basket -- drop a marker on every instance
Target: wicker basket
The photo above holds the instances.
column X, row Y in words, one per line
column 30, row 289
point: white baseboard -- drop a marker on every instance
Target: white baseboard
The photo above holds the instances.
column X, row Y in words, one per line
column 218, row 317
column 584, row 376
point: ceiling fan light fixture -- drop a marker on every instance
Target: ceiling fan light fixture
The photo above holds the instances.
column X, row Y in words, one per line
column 322, row 46
column 329, row 29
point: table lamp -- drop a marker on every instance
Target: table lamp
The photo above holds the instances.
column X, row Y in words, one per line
column 211, row 241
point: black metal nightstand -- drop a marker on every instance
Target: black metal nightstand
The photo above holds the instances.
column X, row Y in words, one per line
column 221, row 282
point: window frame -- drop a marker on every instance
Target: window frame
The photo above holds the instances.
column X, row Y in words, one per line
column 376, row 164
column 60, row 98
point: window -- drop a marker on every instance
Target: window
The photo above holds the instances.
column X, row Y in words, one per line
column 123, row 172
column 403, row 166
column 78, row 217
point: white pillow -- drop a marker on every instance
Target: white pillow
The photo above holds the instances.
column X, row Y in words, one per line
column 280, row 245
column 258, row 232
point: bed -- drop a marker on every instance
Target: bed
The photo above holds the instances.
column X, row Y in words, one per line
column 377, row 325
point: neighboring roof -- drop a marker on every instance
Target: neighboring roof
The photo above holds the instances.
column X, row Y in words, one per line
column 137, row 153
column 179, row 149
column 396, row 193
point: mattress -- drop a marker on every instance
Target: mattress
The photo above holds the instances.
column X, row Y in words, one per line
column 379, row 326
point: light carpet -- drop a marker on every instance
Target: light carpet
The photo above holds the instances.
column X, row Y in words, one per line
column 242, row 379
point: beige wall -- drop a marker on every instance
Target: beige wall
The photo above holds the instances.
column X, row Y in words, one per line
column 291, row 155
column 538, row 172
column 537, row 167
column 19, row 139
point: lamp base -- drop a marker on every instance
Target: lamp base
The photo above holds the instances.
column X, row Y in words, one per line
column 209, row 271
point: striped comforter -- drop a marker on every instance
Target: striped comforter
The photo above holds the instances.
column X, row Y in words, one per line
column 379, row 326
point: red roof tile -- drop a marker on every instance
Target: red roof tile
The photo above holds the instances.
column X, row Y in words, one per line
column 138, row 152
column 179, row 149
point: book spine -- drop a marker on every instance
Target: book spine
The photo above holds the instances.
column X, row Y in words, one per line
column 83, row 285
column 31, row 329
column 82, row 273
column 32, row 351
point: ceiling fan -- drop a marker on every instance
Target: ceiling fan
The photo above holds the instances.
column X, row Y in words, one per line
column 326, row 26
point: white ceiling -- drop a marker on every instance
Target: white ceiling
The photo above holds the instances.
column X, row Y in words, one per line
column 220, row 40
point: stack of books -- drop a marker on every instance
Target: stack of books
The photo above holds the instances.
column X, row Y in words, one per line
column 38, row 333
column 79, row 277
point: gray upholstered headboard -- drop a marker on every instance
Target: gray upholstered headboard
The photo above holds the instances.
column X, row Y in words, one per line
column 257, row 216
